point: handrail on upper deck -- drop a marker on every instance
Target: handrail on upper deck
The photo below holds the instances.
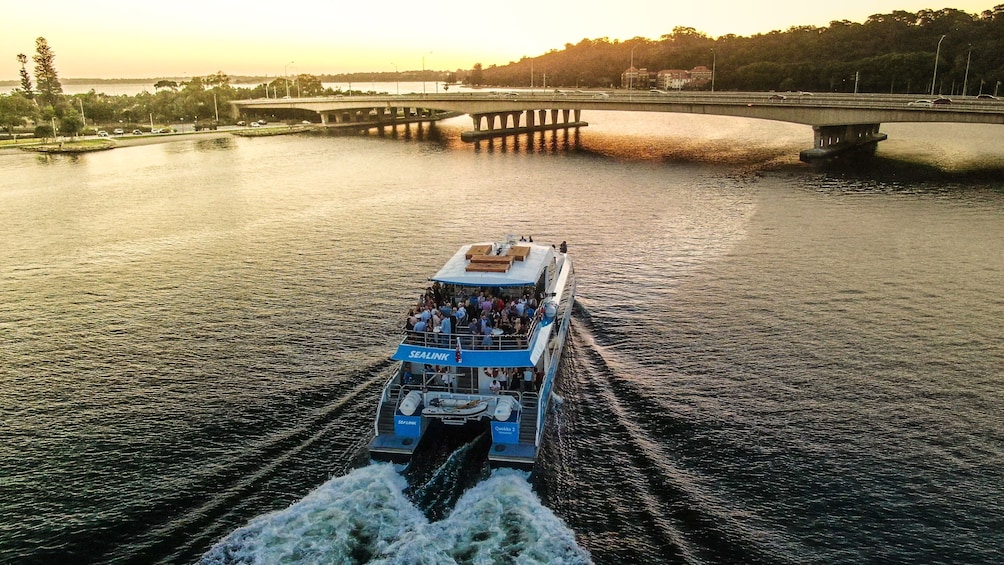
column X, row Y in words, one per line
column 501, row 342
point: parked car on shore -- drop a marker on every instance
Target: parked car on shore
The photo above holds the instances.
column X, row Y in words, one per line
column 102, row 133
column 118, row 131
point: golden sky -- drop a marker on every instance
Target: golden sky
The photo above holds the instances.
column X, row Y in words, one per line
column 142, row 39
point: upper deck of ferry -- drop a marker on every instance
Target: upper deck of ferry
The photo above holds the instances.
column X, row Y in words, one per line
column 513, row 275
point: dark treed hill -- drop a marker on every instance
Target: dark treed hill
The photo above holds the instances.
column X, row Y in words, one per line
column 892, row 52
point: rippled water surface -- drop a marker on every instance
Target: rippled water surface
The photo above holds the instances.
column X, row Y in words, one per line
column 769, row 363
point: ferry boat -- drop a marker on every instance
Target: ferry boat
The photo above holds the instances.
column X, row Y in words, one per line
column 500, row 369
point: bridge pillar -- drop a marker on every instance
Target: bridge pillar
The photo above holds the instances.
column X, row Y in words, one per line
column 830, row 141
column 501, row 124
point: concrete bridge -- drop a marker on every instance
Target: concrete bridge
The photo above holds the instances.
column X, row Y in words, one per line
column 840, row 122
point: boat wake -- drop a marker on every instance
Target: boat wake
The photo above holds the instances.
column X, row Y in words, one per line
column 367, row 517
column 436, row 488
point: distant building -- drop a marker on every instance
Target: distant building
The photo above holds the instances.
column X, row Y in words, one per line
column 672, row 79
column 636, row 79
column 679, row 79
column 701, row 74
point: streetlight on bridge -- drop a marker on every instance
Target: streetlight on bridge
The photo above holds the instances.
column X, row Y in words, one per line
column 631, row 71
column 965, row 81
column 937, row 55
column 285, row 76
column 714, row 59
column 423, row 71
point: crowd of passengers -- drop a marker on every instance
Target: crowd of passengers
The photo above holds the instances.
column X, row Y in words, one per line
column 478, row 314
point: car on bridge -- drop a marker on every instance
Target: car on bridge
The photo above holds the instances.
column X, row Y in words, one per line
column 986, row 97
column 776, row 97
column 921, row 103
column 941, row 101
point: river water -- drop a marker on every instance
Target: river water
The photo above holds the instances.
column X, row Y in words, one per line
column 768, row 363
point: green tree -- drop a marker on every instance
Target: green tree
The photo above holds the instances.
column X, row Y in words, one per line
column 166, row 84
column 26, row 87
column 308, row 85
column 220, row 79
column 15, row 110
column 477, row 75
column 71, row 122
column 49, row 88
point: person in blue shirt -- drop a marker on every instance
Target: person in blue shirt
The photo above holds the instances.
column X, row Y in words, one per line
column 444, row 332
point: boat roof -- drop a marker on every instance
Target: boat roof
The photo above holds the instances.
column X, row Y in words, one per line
column 485, row 264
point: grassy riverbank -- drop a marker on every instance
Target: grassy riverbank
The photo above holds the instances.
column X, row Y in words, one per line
column 86, row 145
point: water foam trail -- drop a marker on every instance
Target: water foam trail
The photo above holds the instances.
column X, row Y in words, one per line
column 464, row 468
column 365, row 517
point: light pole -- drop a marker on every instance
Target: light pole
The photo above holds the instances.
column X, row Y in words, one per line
column 965, row 81
column 397, row 78
column 285, row 76
column 631, row 70
column 937, row 55
column 714, row 59
column 423, row 71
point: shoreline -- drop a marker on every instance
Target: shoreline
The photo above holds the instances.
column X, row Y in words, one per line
column 104, row 144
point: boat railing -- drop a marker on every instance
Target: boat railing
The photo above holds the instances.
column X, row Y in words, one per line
column 404, row 389
column 500, row 342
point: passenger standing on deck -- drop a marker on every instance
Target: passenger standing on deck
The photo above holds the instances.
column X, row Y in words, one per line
column 495, row 386
column 445, row 329
column 449, row 380
column 527, row 384
column 475, row 328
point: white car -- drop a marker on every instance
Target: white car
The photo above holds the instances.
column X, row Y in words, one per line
column 255, row 125
column 102, row 133
column 921, row 103
column 118, row 131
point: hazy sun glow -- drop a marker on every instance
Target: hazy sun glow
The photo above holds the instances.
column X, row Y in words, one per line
column 128, row 39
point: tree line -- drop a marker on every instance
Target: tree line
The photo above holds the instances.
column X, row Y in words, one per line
column 889, row 53
column 39, row 107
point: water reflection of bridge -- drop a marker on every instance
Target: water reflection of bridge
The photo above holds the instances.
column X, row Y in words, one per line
column 840, row 122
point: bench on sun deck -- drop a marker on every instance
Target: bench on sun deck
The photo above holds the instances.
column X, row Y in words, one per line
column 493, row 259
column 488, row 267
column 484, row 249
column 519, row 252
